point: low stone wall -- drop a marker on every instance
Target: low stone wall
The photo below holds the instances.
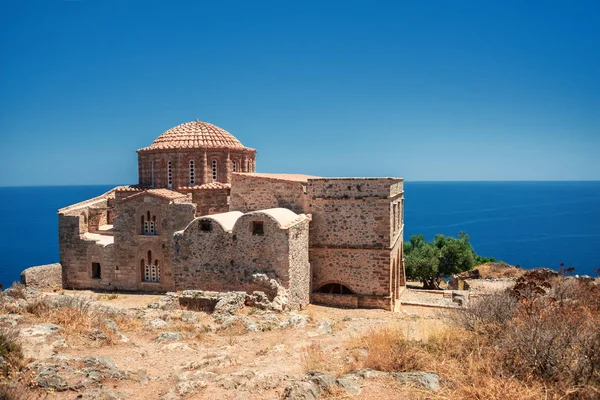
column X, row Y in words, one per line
column 352, row 301
column 43, row 277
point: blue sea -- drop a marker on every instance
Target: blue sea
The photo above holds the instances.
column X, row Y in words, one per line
column 531, row 224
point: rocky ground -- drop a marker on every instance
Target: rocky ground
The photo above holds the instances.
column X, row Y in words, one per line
column 132, row 346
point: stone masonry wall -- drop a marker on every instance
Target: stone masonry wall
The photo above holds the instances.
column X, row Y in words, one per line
column 353, row 236
column 132, row 246
column 225, row 261
column 157, row 161
column 211, row 201
column 251, row 193
column 77, row 253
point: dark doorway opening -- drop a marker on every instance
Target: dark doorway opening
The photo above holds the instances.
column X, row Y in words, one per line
column 334, row 288
column 96, row 270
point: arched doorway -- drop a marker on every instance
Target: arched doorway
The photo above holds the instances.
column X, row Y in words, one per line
column 334, row 288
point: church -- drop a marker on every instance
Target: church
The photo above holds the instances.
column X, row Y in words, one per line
column 201, row 217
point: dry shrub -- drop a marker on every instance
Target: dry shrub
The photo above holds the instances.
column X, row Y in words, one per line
column 19, row 390
column 11, row 352
column 540, row 340
column 77, row 315
column 557, row 333
column 486, row 313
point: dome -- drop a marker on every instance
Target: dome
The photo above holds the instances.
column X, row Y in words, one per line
column 195, row 135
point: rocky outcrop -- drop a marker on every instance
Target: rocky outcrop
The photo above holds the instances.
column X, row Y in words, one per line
column 46, row 278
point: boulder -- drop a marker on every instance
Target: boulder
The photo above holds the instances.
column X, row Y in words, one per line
column 44, row 277
column 301, row 391
column 349, row 384
column 425, row 379
column 324, row 327
column 322, row 380
column 169, row 336
column 294, row 321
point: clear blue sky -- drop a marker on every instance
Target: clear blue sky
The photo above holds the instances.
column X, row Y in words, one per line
column 426, row 90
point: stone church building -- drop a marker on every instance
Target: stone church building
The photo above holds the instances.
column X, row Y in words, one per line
column 202, row 218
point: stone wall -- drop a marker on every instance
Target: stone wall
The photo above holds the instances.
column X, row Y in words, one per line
column 153, row 166
column 78, row 251
column 211, row 201
column 132, row 245
column 251, row 193
column 354, row 238
column 43, row 277
column 225, row 258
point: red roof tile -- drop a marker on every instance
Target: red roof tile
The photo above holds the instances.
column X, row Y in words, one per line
column 195, row 135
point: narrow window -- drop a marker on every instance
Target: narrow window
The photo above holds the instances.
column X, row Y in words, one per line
column 402, row 213
column 192, row 174
column 258, row 228
column 234, row 165
column 96, row 270
column 169, row 175
column 394, row 218
column 205, row 226
column 214, row 170
column 143, row 226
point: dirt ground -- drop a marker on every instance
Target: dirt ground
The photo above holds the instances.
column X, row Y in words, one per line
column 212, row 362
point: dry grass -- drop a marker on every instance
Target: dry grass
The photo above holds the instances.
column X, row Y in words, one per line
column 79, row 318
column 499, row 270
column 540, row 341
column 313, row 358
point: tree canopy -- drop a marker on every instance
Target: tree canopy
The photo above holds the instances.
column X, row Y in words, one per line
column 429, row 262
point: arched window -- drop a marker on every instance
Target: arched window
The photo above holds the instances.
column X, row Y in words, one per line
column 151, row 271
column 214, row 170
column 169, row 175
column 149, row 224
column 192, row 174
column 234, row 165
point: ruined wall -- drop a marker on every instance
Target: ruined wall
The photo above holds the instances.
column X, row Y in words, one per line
column 299, row 266
column 221, row 260
column 77, row 253
column 250, row 193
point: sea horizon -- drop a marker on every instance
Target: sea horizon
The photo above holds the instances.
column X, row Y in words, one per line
column 527, row 223
column 337, row 177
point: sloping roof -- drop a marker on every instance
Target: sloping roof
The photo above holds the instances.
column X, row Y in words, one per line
column 283, row 216
column 195, row 135
column 281, row 177
column 210, row 185
column 226, row 220
column 162, row 193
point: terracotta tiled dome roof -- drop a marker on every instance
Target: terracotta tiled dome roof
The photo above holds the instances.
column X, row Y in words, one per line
column 195, row 134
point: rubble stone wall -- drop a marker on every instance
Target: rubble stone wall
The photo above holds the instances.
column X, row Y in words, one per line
column 218, row 260
column 211, row 201
column 251, row 193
